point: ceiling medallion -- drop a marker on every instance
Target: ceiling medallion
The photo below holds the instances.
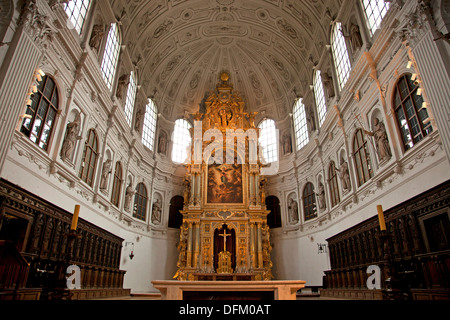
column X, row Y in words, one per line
column 262, row 14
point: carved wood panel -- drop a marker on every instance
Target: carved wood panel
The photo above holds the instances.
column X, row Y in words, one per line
column 354, row 249
column 46, row 243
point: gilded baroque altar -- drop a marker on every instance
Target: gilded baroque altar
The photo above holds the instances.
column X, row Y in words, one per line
column 224, row 229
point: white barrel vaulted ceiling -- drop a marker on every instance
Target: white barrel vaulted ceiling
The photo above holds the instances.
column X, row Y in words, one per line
column 268, row 47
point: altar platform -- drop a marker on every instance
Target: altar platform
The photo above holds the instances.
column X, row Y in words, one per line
column 228, row 290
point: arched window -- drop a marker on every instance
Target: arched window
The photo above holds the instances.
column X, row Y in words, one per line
column 374, row 11
column 77, row 11
column 333, row 183
column 39, row 123
column 149, row 128
column 175, row 217
column 300, row 126
column 90, row 156
column 111, row 55
column 181, row 140
column 412, row 116
column 117, row 184
column 340, row 55
column 274, row 216
column 362, row 159
column 320, row 97
column 268, row 140
column 131, row 97
column 309, row 202
column 140, row 202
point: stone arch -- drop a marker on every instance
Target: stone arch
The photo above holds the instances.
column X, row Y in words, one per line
column 175, row 217
column 274, row 217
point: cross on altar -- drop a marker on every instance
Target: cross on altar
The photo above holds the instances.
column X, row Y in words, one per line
column 224, row 235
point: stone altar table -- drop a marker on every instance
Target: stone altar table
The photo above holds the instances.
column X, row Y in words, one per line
column 182, row 290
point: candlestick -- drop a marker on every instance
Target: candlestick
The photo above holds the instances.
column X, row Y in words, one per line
column 381, row 218
column 75, row 217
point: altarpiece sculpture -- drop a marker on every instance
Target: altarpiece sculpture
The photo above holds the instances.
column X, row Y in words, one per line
column 224, row 229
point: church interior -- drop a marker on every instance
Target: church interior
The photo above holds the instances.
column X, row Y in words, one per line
column 215, row 142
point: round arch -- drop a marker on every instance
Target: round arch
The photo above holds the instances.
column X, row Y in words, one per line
column 175, row 216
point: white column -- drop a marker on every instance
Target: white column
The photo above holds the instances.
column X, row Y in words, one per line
column 432, row 62
column 15, row 80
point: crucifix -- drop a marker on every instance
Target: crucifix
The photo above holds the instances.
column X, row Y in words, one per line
column 224, row 235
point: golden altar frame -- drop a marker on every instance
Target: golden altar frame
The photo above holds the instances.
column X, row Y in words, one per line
column 248, row 219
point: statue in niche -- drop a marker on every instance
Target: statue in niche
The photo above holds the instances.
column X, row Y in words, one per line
column 293, row 210
column 156, row 212
column 262, row 190
column 344, row 175
column 287, row 144
column 129, row 193
column 187, row 190
column 138, row 119
column 162, row 143
column 381, row 140
column 328, row 84
column 321, row 196
column 355, row 37
column 225, row 117
column 106, row 170
column 71, row 138
column 98, row 31
column 310, row 118
column 123, row 82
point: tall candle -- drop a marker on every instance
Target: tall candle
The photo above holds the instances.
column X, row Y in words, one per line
column 381, row 218
column 75, row 217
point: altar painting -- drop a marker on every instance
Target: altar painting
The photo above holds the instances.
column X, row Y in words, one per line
column 225, row 183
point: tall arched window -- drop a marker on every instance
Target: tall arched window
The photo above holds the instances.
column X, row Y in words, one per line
column 111, row 55
column 268, row 140
column 131, row 97
column 333, row 183
column 90, row 156
column 412, row 117
column 181, row 139
column 117, row 184
column 140, row 202
column 309, row 202
column 362, row 159
column 39, row 123
column 340, row 55
column 77, row 11
column 274, row 216
column 149, row 128
column 320, row 97
column 374, row 11
column 300, row 126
